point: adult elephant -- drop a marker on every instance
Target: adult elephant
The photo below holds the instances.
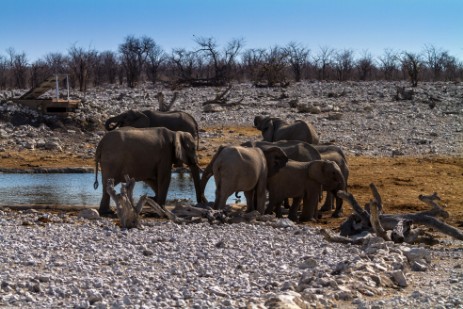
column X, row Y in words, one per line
column 303, row 180
column 275, row 129
column 146, row 154
column 174, row 120
column 237, row 168
column 294, row 150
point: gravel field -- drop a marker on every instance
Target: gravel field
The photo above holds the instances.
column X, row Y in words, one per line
column 60, row 260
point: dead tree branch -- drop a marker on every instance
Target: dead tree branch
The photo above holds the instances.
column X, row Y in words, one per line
column 375, row 222
column 222, row 99
column 163, row 106
column 127, row 212
column 400, row 224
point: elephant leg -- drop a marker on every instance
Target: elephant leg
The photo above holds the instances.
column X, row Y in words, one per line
column 309, row 207
column 250, row 200
column 270, row 207
column 328, row 205
column 163, row 182
column 286, row 203
column 222, row 192
column 338, row 211
column 153, row 184
column 105, row 209
column 292, row 215
column 260, row 196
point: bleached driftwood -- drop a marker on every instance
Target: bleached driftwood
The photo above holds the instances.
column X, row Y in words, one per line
column 400, row 224
column 163, row 106
column 127, row 212
column 222, row 99
column 340, row 239
column 375, row 222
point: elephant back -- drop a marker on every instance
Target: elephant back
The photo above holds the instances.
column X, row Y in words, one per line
column 173, row 120
column 299, row 130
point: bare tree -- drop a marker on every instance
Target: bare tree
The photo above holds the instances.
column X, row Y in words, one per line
column 57, row 62
column 220, row 62
column 412, row 64
column 156, row 56
column 432, row 55
column 365, row 66
column 39, row 70
column 3, row 72
column 183, row 63
column 81, row 62
column 389, row 63
column 134, row 53
column 252, row 61
column 273, row 69
column 110, row 65
column 450, row 67
column 18, row 67
column 298, row 58
column 323, row 61
column 344, row 64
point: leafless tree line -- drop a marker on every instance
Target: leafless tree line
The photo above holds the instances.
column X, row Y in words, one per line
column 141, row 59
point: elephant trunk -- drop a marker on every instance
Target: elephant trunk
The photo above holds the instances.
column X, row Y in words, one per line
column 194, row 169
column 112, row 123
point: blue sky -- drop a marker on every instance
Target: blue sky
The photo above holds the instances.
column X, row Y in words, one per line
column 38, row 27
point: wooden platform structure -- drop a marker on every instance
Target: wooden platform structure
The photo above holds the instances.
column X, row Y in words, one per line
column 54, row 105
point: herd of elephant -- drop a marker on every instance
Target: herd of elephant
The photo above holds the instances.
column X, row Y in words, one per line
column 287, row 163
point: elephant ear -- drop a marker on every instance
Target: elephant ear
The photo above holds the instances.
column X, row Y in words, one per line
column 137, row 120
column 267, row 129
column 185, row 147
column 276, row 159
column 258, row 121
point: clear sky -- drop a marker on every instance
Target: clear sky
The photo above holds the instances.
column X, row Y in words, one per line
column 39, row 27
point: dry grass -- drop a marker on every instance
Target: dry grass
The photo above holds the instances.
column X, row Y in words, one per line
column 399, row 180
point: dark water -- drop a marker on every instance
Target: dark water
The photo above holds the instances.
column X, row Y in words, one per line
column 77, row 189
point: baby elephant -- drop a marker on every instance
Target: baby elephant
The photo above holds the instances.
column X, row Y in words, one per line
column 303, row 180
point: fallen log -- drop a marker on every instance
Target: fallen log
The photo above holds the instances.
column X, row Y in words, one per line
column 399, row 224
column 222, row 99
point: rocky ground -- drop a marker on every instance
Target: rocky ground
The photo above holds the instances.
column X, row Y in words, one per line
column 408, row 147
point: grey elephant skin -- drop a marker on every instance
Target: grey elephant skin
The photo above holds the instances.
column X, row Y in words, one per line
column 237, row 168
column 174, row 120
column 146, row 154
column 275, row 129
column 303, row 180
column 334, row 153
column 294, row 150
column 305, row 152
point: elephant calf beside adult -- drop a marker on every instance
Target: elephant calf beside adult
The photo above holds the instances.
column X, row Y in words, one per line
column 275, row 129
column 237, row 168
column 303, row 180
column 146, row 154
column 305, row 152
column 173, row 120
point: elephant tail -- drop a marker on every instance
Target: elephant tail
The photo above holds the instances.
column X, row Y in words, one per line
column 97, row 160
column 207, row 173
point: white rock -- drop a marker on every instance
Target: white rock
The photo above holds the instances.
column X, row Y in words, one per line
column 90, row 214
